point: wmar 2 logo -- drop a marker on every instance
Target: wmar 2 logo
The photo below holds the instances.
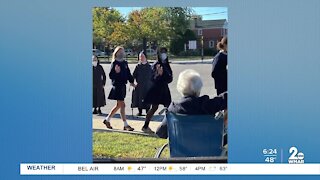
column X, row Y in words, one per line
column 296, row 156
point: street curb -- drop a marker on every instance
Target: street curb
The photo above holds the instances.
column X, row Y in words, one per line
column 192, row 62
column 207, row 61
column 128, row 132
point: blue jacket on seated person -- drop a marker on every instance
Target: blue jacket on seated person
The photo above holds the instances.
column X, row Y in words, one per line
column 193, row 105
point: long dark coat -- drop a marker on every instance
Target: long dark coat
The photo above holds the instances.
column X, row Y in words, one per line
column 99, row 81
column 142, row 74
column 159, row 93
column 219, row 72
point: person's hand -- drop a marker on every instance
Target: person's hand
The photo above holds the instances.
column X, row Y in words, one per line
column 157, row 67
column 225, row 118
column 117, row 68
column 160, row 71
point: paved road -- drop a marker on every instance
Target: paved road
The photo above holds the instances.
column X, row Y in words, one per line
column 203, row 69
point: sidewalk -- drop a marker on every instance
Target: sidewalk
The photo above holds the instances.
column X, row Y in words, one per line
column 205, row 61
column 117, row 124
column 196, row 61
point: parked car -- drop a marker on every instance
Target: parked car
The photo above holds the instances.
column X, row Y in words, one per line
column 129, row 52
column 97, row 52
column 151, row 52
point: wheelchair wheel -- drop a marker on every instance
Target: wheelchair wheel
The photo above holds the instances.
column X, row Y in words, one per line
column 160, row 150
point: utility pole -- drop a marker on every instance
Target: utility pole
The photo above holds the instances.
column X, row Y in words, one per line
column 202, row 48
column 144, row 44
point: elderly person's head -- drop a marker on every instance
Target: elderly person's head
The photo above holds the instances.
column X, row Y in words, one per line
column 189, row 83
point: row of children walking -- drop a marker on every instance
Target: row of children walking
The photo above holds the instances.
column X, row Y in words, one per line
column 151, row 88
column 150, row 91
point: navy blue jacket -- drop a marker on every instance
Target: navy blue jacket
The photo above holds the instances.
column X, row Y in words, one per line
column 219, row 72
column 194, row 106
column 123, row 77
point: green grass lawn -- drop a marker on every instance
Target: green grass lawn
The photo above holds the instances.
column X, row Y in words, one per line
column 123, row 145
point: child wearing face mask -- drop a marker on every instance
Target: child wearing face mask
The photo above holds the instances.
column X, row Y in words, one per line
column 119, row 74
column 99, row 81
column 142, row 74
column 159, row 92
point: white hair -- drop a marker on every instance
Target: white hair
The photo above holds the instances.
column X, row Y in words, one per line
column 189, row 83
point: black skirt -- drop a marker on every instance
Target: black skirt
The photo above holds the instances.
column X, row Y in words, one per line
column 159, row 94
column 117, row 92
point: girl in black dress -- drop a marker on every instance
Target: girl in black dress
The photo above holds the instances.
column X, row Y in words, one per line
column 119, row 74
column 219, row 67
column 99, row 81
column 159, row 92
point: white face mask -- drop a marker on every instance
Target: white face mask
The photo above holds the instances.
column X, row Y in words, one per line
column 94, row 63
column 163, row 56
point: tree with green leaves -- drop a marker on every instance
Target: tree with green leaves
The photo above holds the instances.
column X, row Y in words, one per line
column 105, row 20
column 179, row 19
column 160, row 26
column 177, row 45
column 149, row 25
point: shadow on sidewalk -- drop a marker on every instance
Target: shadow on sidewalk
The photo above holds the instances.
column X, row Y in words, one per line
column 127, row 132
column 157, row 118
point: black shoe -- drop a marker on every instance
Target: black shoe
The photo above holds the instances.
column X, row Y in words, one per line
column 147, row 130
column 95, row 111
column 99, row 111
column 128, row 128
column 139, row 114
column 107, row 124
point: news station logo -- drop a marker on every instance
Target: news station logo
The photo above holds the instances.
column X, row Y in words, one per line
column 296, row 157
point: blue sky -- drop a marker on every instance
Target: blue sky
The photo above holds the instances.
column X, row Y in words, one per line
column 208, row 13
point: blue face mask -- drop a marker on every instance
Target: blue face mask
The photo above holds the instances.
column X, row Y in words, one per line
column 163, row 56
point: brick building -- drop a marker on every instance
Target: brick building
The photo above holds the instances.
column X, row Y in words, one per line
column 211, row 30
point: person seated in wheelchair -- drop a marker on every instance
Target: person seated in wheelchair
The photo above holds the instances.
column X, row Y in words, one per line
column 189, row 86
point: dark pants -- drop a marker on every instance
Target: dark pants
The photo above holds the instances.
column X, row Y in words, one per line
column 154, row 108
column 162, row 130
